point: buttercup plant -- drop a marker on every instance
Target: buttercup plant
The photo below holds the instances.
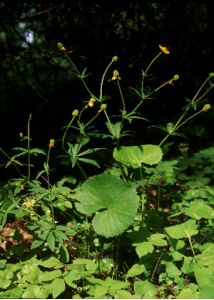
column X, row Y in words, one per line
column 142, row 94
column 139, row 227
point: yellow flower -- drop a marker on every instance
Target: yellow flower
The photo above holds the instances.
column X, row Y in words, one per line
column 30, row 203
column 61, row 47
column 91, row 102
column 164, row 49
column 206, row 107
column 102, row 107
column 116, row 75
column 51, row 143
column 21, row 134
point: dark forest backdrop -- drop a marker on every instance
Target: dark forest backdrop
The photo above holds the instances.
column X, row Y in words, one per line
column 35, row 78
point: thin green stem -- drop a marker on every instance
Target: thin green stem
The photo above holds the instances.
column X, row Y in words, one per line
column 121, row 95
column 144, row 74
column 204, row 94
column 65, row 133
column 188, row 119
column 177, row 125
column 191, row 245
column 47, row 165
column 152, row 61
column 28, row 147
column 92, row 119
column 137, row 106
column 82, row 171
column 147, row 96
column 109, row 122
column 79, row 75
column 199, row 90
column 17, row 169
column 160, row 87
column 102, row 79
column 155, row 268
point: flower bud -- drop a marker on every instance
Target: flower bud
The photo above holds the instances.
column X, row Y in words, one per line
column 206, row 107
column 61, row 47
column 115, row 58
column 75, row 113
column 51, row 143
column 116, row 75
column 102, row 107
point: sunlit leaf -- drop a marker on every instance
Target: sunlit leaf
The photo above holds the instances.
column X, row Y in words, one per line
column 134, row 156
column 184, row 230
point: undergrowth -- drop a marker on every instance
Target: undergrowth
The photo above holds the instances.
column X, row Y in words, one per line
column 125, row 222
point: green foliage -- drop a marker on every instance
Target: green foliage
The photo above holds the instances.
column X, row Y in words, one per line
column 114, row 202
column 134, row 156
column 184, row 230
column 140, row 228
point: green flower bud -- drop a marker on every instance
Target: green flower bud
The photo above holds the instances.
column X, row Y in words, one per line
column 206, row 107
column 61, row 47
column 176, row 77
column 115, row 58
column 75, row 113
column 102, row 107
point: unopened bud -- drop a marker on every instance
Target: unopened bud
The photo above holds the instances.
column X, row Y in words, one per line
column 61, row 47
column 206, row 107
column 115, row 58
column 75, row 113
column 102, row 107
column 51, row 143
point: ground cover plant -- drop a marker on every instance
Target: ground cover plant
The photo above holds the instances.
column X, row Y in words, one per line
column 125, row 222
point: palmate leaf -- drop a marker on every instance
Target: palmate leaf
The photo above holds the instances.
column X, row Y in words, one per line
column 113, row 201
column 134, row 156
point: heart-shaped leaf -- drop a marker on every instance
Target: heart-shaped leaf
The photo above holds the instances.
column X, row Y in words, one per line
column 134, row 156
column 114, row 202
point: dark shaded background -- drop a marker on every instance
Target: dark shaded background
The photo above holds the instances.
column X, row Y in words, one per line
column 36, row 79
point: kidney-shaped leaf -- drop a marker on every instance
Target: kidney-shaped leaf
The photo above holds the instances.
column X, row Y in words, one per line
column 134, row 156
column 114, row 202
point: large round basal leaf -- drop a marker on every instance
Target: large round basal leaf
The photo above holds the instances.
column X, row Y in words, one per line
column 114, row 202
column 134, row 156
